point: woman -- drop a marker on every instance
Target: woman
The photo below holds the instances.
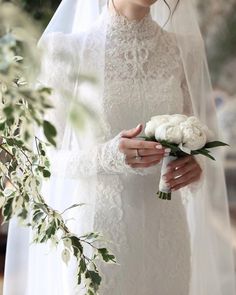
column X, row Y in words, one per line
column 143, row 70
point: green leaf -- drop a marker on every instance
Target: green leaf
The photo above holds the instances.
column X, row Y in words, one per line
column 26, row 135
column 174, row 147
column 46, row 173
column 204, row 153
column 37, row 216
column 95, row 278
column 50, row 132
column 77, row 247
column 92, row 235
column 10, row 141
column 51, row 230
column 23, row 214
column 82, row 265
column 7, row 209
column 46, row 90
column 73, row 206
column 79, row 279
column 18, row 143
column 8, row 111
column 42, row 151
column 2, row 126
column 215, row 144
column 106, row 256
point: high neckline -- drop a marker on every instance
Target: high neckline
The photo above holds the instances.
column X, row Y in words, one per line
column 120, row 24
column 125, row 19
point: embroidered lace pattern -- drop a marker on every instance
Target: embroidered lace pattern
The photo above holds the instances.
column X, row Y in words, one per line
column 143, row 77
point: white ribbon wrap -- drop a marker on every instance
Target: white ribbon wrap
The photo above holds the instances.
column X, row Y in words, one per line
column 163, row 187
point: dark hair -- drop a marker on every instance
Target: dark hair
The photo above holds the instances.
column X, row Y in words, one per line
column 171, row 12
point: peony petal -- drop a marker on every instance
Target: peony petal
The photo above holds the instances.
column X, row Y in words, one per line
column 184, row 149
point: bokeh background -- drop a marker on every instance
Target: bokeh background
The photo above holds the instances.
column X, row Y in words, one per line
column 217, row 19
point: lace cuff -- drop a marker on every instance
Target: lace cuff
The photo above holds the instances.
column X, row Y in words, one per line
column 112, row 160
column 104, row 158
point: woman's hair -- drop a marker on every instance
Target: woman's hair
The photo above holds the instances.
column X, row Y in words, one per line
column 171, row 12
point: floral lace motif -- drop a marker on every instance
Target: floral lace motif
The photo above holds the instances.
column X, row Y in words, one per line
column 142, row 65
column 143, row 77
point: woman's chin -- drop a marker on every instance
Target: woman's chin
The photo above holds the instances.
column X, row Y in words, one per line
column 145, row 3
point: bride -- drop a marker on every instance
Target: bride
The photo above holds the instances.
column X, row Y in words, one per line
column 149, row 60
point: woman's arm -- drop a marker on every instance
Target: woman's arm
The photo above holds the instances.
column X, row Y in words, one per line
column 118, row 155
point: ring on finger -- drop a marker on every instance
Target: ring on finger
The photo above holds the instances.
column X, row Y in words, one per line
column 137, row 156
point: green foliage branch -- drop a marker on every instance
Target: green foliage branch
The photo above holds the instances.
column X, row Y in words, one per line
column 24, row 163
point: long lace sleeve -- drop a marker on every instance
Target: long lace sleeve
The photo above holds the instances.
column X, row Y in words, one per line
column 104, row 158
column 78, row 162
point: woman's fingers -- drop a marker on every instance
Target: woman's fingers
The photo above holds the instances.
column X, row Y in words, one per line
column 149, row 152
column 144, row 160
column 181, row 175
column 179, row 162
column 180, row 171
column 140, row 153
column 184, row 179
column 132, row 153
column 146, row 165
column 126, row 143
column 191, row 180
column 132, row 132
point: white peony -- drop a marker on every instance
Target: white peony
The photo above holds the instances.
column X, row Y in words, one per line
column 188, row 132
column 154, row 123
column 157, row 121
column 194, row 135
column 169, row 132
column 196, row 122
column 150, row 129
column 178, row 118
column 161, row 118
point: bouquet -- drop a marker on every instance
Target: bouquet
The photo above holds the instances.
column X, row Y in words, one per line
column 183, row 136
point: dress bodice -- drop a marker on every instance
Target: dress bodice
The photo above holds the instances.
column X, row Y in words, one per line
column 143, row 72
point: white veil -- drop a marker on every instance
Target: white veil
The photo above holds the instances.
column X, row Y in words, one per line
column 212, row 256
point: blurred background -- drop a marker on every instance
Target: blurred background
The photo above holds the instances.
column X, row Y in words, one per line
column 217, row 19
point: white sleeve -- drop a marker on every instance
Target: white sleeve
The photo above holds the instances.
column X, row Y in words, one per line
column 105, row 158
column 55, row 73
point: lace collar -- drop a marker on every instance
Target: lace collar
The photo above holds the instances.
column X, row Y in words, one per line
column 123, row 27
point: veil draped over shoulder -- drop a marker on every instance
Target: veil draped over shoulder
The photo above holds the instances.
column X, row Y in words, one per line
column 207, row 209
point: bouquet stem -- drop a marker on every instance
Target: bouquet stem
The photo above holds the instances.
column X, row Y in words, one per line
column 164, row 192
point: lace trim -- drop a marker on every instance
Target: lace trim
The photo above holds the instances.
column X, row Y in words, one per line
column 120, row 25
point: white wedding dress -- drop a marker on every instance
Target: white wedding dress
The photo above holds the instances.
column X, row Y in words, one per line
column 151, row 239
column 144, row 78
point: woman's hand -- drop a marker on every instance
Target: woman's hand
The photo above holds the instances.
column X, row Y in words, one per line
column 182, row 172
column 140, row 153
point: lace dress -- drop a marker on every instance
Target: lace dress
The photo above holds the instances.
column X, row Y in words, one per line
column 143, row 78
column 151, row 240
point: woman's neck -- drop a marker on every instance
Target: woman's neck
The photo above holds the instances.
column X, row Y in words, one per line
column 130, row 10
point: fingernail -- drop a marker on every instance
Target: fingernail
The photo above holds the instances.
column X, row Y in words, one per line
column 159, row 147
column 139, row 125
column 167, row 150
